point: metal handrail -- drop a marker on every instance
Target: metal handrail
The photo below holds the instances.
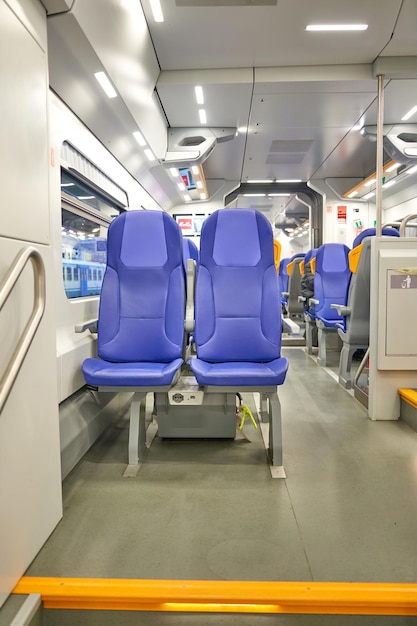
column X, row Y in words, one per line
column 405, row 221
column 9, row 281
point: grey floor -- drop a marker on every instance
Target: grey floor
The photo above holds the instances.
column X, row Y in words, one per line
column 347, row 510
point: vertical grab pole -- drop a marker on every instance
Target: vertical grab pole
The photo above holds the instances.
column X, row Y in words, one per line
column 379, row 154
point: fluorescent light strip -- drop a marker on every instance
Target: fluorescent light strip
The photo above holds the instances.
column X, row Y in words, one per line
column 290, row 180
column 392, row 167
column 139, row 138
column 203, row 196
column 267, row 180
column 199, row 94
column 106, row 85
column 174, row 171
column 158, row 16
column 187, row 197
column 149, row 154
column 353, row 194
column 409, row 114
column 85, row 197
column 413, row 170
column 254, row 195
column 370, row 182
column 67, row 184
column 336, row 27
column 203, row 116
column 369, row 195
column 195, row 169
column 278, row 195
column 390, row 183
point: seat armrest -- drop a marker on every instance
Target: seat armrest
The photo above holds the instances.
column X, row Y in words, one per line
column 313, row 301
column 285, row 293
column 189, row 305
column 301, row 299
column 90, row 325
column 342, row 309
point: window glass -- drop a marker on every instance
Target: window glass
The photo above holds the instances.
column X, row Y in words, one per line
column 85, row 220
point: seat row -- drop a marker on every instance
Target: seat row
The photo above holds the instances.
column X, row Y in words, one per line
column 141, row 341
column 340, row 299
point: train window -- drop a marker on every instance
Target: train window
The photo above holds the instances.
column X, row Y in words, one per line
column 86, row 215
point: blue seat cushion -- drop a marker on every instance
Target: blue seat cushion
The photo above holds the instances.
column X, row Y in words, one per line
column 103, row 373
column 240, row 374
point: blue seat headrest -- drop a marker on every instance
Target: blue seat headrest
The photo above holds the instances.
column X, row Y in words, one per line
column 388, row 231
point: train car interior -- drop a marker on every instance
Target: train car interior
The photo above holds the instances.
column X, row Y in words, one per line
column 208, row 286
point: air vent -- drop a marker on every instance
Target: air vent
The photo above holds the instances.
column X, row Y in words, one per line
column 192, row 146
column 192, row 141
column 400, row 141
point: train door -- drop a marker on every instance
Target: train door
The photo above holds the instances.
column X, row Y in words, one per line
column 30, row 478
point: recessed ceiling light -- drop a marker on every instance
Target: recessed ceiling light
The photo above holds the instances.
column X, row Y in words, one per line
column 158, row 16
column 149, row 154
column 106, row 85
column 199, row 94
column 139, row 138
column 203, row 116
column 336, row 27
column 409, row 114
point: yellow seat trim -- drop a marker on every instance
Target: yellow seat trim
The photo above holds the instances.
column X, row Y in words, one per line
column 313, row 265
column 409, row 395
column 354, row 256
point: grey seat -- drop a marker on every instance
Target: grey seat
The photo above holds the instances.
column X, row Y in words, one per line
column 295, row 308
column 355, row 333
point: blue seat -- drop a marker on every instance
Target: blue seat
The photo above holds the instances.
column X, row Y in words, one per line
column 307, row 292
column 190, row 251
column 331, row 283
column 141, row 313
column 237, row 312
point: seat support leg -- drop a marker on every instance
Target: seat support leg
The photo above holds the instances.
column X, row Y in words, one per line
column 137, row 429
column 322, row 340
column 275, row 429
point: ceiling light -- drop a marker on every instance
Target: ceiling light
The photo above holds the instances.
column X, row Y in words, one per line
column 158, row 16
column 290, row 180
column 203, row 116
column 278, row 195
column 67, row 184
column 139, row 138
column 266, row 180
column 85, row 197
column 409, row 114
column 181, row 186
column 203, row 196
column 352, row 194
column 336, row 27
column 174, row 172
column 195, row 169
column 199, row 94
column 370, row 182
column 199, row 184
column 149, row 154
column 254, row 195
column 369, row 195
column 390, row 183
column 392, row 167
column 187, row 197
column 106, row 85
column 413, row 170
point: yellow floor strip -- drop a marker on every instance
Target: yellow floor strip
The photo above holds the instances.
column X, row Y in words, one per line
column 223, row 596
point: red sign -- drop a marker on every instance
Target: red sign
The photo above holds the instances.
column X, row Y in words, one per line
column 185, row 223
column 341, row 214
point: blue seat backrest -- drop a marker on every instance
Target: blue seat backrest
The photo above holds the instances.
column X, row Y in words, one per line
column 309, row 255
column 371, row 232
column 141, row 316
column 190, row 251
column 331, row 279
column 238, row 311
